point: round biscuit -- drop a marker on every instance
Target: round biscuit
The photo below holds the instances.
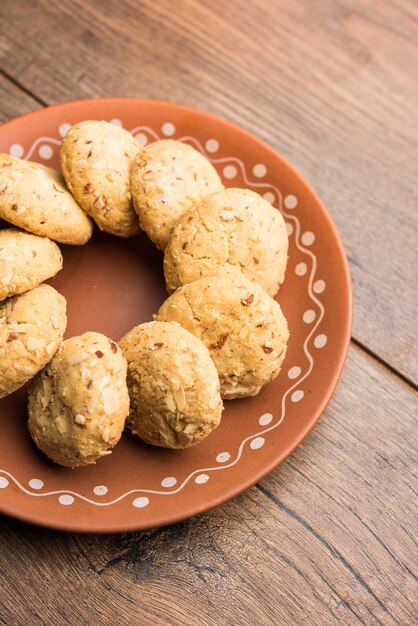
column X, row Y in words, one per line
column 25, row 261
column 173, row 385
column 167, row 178
column 78, row 404
column 241, row 325
column 35, row 198
column 96, row 159
column 32, row 326
column 230, row 228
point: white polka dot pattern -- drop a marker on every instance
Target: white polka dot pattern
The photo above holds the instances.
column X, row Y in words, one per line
column 319, row 286
column 35, row 483
column 230, row 171
column 16, row 150
column 265, row 419
column 259, row 170
column 301, row 269
column 168, row 129
column 308, row 238
column 46, row 152
column 297, row 395
column 270, row 197
column 257, row 443
column 140, row 503
column 320, row 341
column 290, row 202
column 309, row 316
column 66, row 500
column 294, row 372
column 212, row 145
column 142, row 139
column 63, row 129
column 170, row 481
column 201, row 479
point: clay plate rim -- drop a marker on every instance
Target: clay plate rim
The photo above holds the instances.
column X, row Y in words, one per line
column 326, row 394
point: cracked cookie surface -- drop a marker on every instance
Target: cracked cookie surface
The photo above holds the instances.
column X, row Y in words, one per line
column 173, row 385
column 96, row 158
column 36, row 199
column 167, row 178
column 32, row 326
column 25, row 261
column 78, row 404
column 231, row 228
column 241, row 325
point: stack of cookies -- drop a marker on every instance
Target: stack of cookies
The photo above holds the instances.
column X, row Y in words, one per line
column 219, row 335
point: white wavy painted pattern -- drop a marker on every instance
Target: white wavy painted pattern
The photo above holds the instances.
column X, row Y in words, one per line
column 147, row 129
column 296, row 383
column 43, row 140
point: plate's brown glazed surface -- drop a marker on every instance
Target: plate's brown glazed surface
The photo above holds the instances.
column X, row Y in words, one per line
column 112, row 284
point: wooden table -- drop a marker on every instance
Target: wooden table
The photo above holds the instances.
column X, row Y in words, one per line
column 328, row 538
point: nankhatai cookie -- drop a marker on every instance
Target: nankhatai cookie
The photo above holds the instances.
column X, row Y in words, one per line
column 96, row 159
column 35, row 198
column 78, row 404
column 230, row 228
column 168, row 177
column 25, row 261
column 241, row 325
column 173, row 385
column 32, row 326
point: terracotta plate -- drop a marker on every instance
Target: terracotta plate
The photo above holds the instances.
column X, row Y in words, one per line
column 113, row 284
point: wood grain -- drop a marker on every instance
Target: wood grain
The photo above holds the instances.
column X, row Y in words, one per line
column 327, row 83
column 14, row 101
column 328, row 538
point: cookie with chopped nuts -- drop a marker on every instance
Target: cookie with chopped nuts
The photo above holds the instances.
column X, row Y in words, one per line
column 25, row 261
column 36, row 199
column 167, row 178
column 96, row 159
column 241, row 325
column 32, row 326
column 230, row 228
column 173, row 385
column 78, row 404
